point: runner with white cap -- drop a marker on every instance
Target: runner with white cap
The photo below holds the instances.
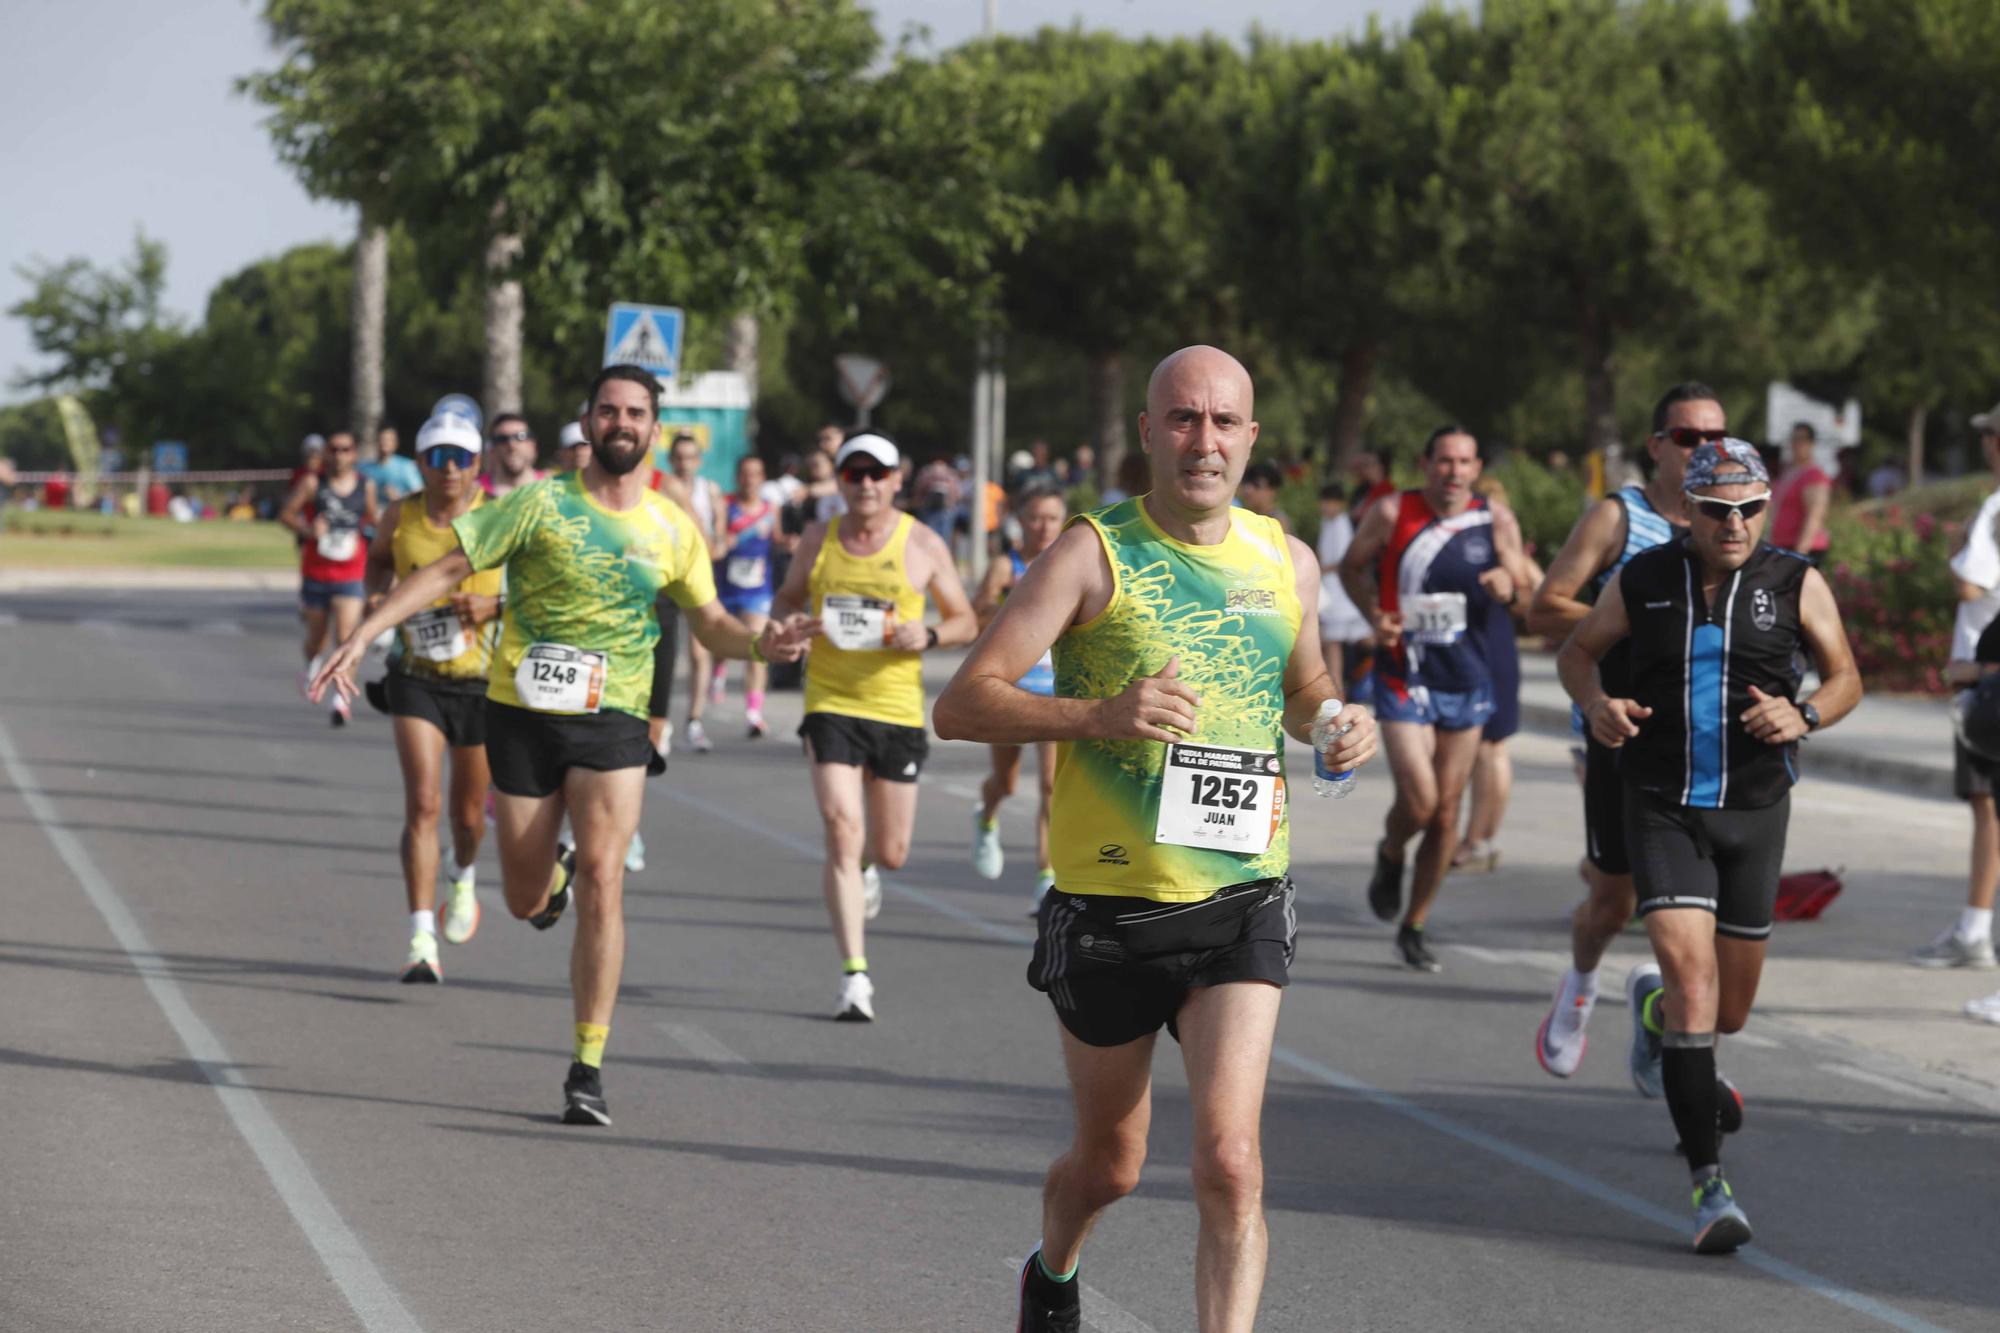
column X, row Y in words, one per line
column 865, row 575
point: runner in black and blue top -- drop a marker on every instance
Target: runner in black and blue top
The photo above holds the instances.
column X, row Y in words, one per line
column 1041, row 512
column 1618, row 527
column 1708, row 725
column 1429, row 568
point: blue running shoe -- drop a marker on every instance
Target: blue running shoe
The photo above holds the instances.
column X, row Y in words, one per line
column 1719, row 1225
column 1645, row 1054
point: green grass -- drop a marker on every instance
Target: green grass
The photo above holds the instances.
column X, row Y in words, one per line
column 66, row 539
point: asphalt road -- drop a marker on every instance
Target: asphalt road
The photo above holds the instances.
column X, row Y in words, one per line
column 223, row 1113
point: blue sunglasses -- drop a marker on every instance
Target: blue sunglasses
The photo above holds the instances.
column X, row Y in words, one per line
column 438, row 456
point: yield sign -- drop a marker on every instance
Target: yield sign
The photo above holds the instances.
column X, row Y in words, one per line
column 648, row 336
column 864, row 381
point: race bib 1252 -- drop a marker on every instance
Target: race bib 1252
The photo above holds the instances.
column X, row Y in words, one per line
column 1220, row 797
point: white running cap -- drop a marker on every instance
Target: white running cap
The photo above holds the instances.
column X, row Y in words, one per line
column 877, row 448
column 450, row 428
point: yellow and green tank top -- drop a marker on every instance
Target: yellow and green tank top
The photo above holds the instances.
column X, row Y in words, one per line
column 881, row 684
column 585, row 576
column 430, row 635
column 1230, row 613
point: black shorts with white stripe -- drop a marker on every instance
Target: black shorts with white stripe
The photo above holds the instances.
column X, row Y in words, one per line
column 1118, row 968
column 1725, row 862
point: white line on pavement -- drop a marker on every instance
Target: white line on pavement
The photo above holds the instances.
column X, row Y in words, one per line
column 1752, row 1039
column 703, row 1046
column 1099, row 1311
column 1885, row 1082
column 1389, row 1101
column 373, row 1300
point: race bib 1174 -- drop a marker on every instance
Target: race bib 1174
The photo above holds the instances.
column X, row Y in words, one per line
column 857, row 623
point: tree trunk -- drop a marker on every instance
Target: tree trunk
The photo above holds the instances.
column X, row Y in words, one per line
column 1107, row 415
column 500, row 390
column 739, row 353
column 1913, row 440
column 1350, row 407
column 371, row 315
column 1600, row 392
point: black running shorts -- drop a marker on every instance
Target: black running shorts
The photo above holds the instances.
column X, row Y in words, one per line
column 531, row 752
column 459, row 711
column 1971, row 775
column 890, row 752
column 1722, row 861
column 1119, row 968
column 665, row 653
column 1604, row 809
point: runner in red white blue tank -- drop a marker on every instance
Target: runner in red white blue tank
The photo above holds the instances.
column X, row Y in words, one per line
column 1429, row 568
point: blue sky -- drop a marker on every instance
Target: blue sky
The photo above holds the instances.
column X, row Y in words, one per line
column 120, row 115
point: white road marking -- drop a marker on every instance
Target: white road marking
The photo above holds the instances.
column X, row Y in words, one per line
column 1886, row 1082
column 1753, row 1040
column 374, row 1301
column 1099, row 1311
column 1524, row 1158
column 703, row 1046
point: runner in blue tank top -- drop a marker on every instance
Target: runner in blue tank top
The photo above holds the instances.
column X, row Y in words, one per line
column 1041, row 512
column 743, row 578
column 1616, row 528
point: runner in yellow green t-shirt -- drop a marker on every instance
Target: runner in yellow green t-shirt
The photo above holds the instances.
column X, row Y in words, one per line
column 586, row 554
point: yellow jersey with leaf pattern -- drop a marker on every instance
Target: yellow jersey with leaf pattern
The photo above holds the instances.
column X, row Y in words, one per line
column 1230, row 613
column 585, row 576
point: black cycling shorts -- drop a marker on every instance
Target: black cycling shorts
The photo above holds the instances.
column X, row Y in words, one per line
column 890, row 752
column 459, row 711
column 665, row 653
column 530, row 753
column 1118, row 968
column 1722, row 861
column 1604, row 809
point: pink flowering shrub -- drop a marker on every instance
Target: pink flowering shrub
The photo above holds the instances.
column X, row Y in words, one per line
column 1890, row 571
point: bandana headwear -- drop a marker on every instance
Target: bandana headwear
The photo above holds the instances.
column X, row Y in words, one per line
column 1726, row 456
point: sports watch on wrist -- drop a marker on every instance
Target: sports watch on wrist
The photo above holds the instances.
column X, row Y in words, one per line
column 932, row 641
column 1811, row 716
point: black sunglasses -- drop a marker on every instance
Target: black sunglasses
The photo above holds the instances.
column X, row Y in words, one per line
column 438, row 456
column 856, row 473
column 512, row 437
column 1687, row 437
column 1720, row 510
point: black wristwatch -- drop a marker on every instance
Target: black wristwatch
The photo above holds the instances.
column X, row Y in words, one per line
column 1811, row 715
column 932, row 642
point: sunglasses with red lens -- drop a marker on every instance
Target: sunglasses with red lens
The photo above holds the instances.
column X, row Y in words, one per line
column 1720, row 510
column 1687, row 437
column 856, row 473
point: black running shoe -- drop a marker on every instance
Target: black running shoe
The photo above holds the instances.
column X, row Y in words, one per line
column 1048, row 1306
column 1728, row 1106
column 1385, row 891
column 1410, row 947
column 583, row 1097
column 559, row 900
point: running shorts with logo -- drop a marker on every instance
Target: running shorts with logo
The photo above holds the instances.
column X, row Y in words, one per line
column 580, row 624
column 1438, row 674
column 440, row 673
column 1138, row 826
column 1117, row 967
column 864, row 701
column 1722, row 861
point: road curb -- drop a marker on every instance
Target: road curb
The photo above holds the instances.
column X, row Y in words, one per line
column 146, row 577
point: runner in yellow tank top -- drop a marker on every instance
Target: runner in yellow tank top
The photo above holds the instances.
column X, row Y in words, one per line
column 1185, row 649
column 436, row 688
column 865, row 577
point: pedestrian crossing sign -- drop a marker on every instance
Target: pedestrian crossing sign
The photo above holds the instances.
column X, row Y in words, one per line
column 644, row 335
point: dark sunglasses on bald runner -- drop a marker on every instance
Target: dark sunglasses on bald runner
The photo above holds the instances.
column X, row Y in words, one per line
column 856, row 473
column 1720, row 510
column 1687, row 437
column 438, row 456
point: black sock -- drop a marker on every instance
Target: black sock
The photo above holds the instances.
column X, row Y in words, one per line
column 1687, row 1069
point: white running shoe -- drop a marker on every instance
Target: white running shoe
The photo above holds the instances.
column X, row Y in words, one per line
column 421, row 968
column 666, row 745
column 987, row 858
column 461, row 912
column 635, row 855
column 857, row 999
column 871, row 893
column 1986, row 1009
column 697, row 736
column 1952, row 949
column 1560, row 1041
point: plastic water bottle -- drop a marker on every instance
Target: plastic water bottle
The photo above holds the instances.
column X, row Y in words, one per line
column 1326, row 783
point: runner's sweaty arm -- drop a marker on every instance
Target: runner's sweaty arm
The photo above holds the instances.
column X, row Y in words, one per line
column 425, row 586
column 1588, row 551
column 1357, row 569
column 1612, row 721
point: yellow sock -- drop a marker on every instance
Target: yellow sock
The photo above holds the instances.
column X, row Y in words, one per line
column 858, row 963
column 590, row 1043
